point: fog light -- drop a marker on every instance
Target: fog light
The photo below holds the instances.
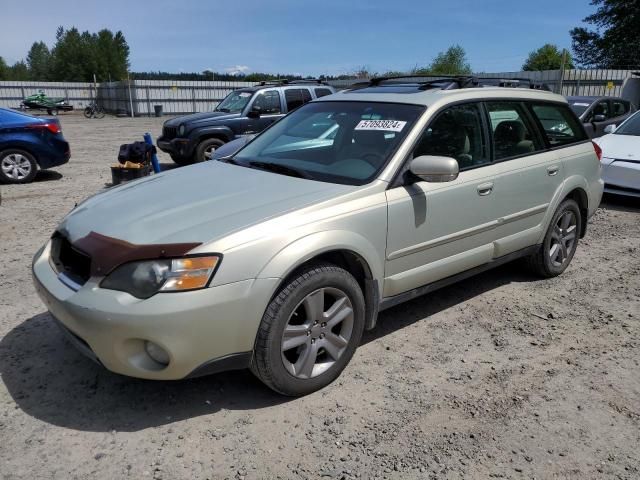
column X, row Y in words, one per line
column 156, row 352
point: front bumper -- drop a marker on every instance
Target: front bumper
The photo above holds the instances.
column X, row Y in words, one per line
column 202, row 331
column 179, row 147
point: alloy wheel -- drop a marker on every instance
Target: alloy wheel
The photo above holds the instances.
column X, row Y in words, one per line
column 208, row 152
column 317, row 332
column 563, row 238
column 16, row 166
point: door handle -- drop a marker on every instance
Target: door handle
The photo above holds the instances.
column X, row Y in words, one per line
column 553, row 170
column 485, row 188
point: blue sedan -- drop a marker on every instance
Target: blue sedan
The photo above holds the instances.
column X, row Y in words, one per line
column 29, row 143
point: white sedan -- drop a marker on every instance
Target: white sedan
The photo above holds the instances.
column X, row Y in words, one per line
column 621, row 157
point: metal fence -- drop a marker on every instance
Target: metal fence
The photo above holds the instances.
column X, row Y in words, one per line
column 79, row 94
column 140, row 97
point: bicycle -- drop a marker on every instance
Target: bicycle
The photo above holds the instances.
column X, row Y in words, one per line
column 94, row 110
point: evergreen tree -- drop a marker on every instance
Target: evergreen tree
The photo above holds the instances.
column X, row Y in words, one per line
column 615, row 40
column 39, row 62
column 4, row 69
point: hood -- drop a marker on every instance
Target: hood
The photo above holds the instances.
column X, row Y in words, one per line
column 200, row 203
column 200, row 118
column 621, row 147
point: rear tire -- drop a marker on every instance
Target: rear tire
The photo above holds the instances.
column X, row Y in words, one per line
column 309, row 331
column 88, row 112
column 560, row 243
column 17, row 166
column 100, row 113
column 205, row 149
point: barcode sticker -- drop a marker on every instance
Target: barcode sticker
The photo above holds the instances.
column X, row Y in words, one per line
column 385, row 125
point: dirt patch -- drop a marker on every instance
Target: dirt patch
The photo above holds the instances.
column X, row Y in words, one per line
column 502, row 375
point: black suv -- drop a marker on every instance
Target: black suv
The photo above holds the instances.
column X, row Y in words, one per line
column 247, row 111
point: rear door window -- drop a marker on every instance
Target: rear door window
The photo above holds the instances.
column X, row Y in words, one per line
column 619, row 108
column 296, row 97
column 322, row 92
column 512, row 132
column 559, row 124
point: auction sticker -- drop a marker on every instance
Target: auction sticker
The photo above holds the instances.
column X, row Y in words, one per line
column 385, row 125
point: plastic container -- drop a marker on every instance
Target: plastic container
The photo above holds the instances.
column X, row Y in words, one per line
column 158, row 110
column 121, row 175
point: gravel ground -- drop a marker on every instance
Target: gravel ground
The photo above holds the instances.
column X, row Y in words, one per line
column 502, row 375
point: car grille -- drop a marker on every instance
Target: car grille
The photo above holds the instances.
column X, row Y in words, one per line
column 68, row 260
column 169, row 132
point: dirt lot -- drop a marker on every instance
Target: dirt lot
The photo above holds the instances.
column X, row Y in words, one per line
column 502, row 375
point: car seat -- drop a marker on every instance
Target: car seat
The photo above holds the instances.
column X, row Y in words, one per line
column 448, row 139
column 510, row 139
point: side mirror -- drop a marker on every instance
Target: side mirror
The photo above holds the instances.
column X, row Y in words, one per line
column 254, row 112
column 609, row 129
column 435, row 169
column 599, row 118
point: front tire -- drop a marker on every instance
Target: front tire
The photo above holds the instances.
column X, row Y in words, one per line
column 310, row 330
column 88, row 112
column 206, row 148
column 560, row 242
column 17, row 166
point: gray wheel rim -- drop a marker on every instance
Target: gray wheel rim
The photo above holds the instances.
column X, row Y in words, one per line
column 563, row 238
column 16, row 166
column 317, row 333
column 208, row 152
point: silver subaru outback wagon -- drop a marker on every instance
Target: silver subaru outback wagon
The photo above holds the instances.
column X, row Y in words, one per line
column 277, row 257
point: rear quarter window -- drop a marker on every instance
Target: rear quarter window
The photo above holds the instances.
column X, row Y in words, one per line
column 559, row 124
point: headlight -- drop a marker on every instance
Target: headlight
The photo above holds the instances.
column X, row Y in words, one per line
column 146, row 278
column 181, row 130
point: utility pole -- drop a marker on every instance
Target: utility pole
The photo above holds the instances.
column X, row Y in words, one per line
column 562, row 65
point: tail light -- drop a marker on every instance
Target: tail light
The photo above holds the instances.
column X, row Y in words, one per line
column 598, row 150
column 52, row 127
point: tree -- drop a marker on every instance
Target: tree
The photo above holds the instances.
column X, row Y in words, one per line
column 4, row 69
column 79, row 56
column 614, row 42
column 453, row 61
column 547, row 57
column 19, row 71
column 39, row 62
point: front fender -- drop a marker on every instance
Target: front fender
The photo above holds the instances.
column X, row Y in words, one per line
column 310, row 246
column 219, row 131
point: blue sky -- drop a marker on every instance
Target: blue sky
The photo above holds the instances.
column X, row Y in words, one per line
column 306, row 37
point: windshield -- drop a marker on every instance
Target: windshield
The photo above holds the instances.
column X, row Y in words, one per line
column 339, row 142
column 234, row 102
column 579, row 107
column 630, row 127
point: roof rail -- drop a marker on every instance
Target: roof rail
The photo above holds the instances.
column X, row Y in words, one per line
column 449, row 82
column 286, row 81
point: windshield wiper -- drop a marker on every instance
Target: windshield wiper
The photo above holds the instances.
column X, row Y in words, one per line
column 225, row 110
column 279, row 168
